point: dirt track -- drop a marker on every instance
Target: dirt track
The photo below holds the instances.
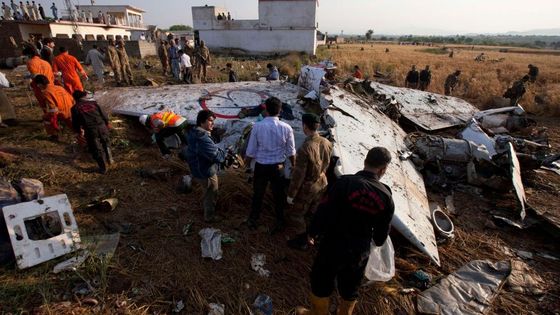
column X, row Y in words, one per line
column 156, row 265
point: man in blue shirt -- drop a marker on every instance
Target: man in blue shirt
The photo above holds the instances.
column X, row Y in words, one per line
column 270, row 144
column 273, row 74
column 204, row 157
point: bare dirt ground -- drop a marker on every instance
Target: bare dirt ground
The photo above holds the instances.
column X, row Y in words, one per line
column 156, row 265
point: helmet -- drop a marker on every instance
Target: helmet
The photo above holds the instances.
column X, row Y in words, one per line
column 143, row 119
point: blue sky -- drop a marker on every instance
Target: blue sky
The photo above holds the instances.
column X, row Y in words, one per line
column 435, row 17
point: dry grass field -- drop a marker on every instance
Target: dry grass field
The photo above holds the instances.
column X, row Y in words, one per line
column 156, row 264
column 480, row 81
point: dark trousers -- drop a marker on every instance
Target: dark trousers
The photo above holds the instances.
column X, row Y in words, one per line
column 187, row 75
column 98, row 144
column 169, row 131
column 424, row 85
column 265, row 173
column 338, row 265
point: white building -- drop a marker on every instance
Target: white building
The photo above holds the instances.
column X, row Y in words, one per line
column 283, row 26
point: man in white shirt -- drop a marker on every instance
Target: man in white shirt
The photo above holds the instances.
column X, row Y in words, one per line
column 186, row 67
column 270, row 144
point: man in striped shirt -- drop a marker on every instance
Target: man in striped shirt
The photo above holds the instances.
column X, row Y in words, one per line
column 270, row 144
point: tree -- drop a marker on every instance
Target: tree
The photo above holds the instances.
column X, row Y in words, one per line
column 180, row 27
column 369, row 33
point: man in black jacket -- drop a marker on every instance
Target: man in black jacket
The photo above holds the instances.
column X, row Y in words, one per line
column 89, row 121
column 412, row 78
column 357, row 209
column 425, row 78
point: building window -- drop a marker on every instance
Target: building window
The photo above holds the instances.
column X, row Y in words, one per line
column 100, row 37
column 62, row 36
column 110, row 37
column 125, row 37
column 90, row 37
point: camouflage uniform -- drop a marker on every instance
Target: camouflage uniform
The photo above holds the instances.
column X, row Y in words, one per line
column 516, row 91
column 202, row 57
column 125, row 66
column 114, row 60
column 451, row 82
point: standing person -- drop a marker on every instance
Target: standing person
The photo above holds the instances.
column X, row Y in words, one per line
column 163, row 57
column 58, row 105
column 123, row 60
column 357, row 209
column 451, row 82
column 204, row 157
column 24, row 11
column 14, row 7
column 273, row 74
column 100, row 18
column 47, row 52
column 411, row 80
column 89, row 121
column 54, row 11
column 163, row 125
column 31, row 12
column 35, row 10
column 37, row 66
column 114, row 61
column 202, row 54
column 95, row 58
column 70, row 67
column 173, row 54
column 42, row 12
column 232, row 76
column 425, row 78
column 533, row 73
column 186, row 67
column 517, row 90
column 7, row 12
column 89, row 16
column 357, row 73
column 309, row 178
column 271, row 142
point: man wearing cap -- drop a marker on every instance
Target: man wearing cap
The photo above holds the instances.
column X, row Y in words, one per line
column 309, row 179
column 165, row 124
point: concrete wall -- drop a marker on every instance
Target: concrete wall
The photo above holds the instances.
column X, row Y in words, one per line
column 288, row 13
column 7, row 49
column 26, row 29
column 134, row 49
column 91, row 29
column 283, row 26
column 261, row 42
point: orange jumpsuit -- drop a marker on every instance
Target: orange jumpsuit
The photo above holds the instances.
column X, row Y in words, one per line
column 37, row 66
column 58, row 107
column 69, row 66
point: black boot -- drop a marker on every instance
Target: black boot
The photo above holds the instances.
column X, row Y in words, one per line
column 299, row 242
column 102, row 166
column 109, row 155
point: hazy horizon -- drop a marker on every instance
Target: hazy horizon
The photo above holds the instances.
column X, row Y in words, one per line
column 390, row 17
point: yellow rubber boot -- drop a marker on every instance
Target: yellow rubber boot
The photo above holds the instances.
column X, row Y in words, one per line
column 319, row 306
column 346, row 307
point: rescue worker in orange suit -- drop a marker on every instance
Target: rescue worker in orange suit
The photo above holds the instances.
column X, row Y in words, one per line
column 89, row 121
column 37, row 66
column 58, row 105
column 163, row 125
column 69, row 66
column 356, row 211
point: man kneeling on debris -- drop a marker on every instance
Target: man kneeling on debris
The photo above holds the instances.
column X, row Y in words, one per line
column 58, row 103
column 309, row 179
column 357, row 209
column 89, row 121
column 163, row 125
column 204, row 157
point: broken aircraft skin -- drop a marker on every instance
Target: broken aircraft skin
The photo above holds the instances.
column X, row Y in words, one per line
column 355, row 127
column 428, row 111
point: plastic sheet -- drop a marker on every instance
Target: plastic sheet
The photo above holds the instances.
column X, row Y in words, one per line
column 211, row 243
column 381, row 263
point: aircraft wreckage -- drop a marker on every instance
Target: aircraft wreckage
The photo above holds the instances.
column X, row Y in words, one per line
column 352, row 122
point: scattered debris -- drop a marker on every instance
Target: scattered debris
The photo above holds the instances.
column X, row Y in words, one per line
column 523, row 280
column 216, row 309
column 55, row 232
column 179, row 306
column 450, row 205
column 211, row 243
column 30, row 189
column 442, row 223
column 187, row 228
column 227, row 239
column 263, row 305
column 421, row 279
column 105, row 205
column 185, row 184
column 257, row 264
column 103, row 245
column 469, row 290
column 381, row 262
column 515, row 169
column 503, row 221
column 8, row 194
column 162, row 174
column 524, row 254
column 71, row 263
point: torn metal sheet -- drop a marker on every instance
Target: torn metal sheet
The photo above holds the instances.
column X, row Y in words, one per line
column 31, row 248
column 502, row 120
column 469, row 290
column 429, row 111
column 475, row 134
column 357, row 128
column 516, row 180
